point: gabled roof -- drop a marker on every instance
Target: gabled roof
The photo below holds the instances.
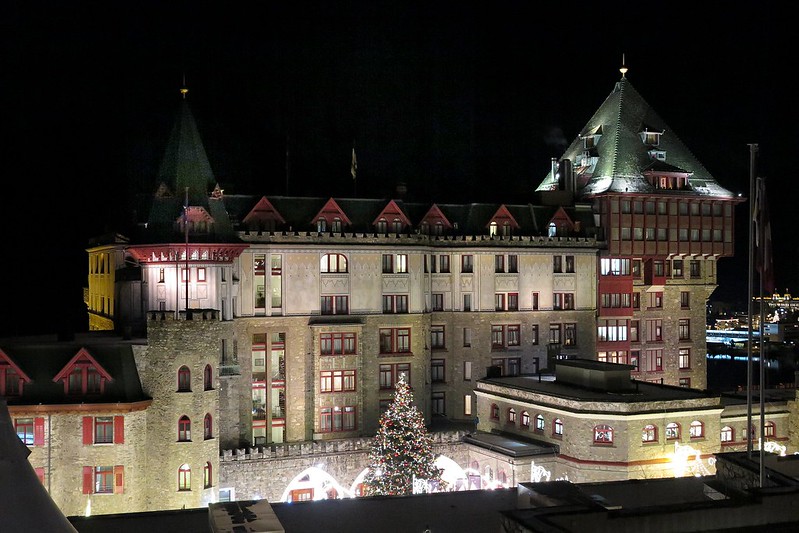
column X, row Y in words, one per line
column 434, row 216
column 622, row 156
column 502, row 216
column 331, row 210
column 262, row 212
column 45, row 361
column 83, row 356
column 5, row 360
column 392, row 211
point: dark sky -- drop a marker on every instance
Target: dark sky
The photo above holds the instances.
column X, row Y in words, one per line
column 462, row 103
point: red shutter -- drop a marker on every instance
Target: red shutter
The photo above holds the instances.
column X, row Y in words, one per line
column 38, row 431
column 40, row 473
column 119, row 430
column 119, row 478
column 88, row 479
column 88, row 430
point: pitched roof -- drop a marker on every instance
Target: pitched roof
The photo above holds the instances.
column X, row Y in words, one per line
column 622, row 156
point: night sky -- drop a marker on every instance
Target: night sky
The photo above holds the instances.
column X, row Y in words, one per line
column 460, row 103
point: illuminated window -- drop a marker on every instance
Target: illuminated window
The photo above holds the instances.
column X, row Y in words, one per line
column 769, row 429
column 557, row 427
column 539, row 423
column 511, row 415
column 649, row 433
column 395, row 340
column 525, row 419
column 697, row 429
column 333, row 263
column 603, row 434
column 207, row 480
column 672, row 431
column 727, row 434
column 184, row 429
column 184, row 477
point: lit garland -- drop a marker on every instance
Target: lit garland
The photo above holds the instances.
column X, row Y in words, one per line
column 401, row 449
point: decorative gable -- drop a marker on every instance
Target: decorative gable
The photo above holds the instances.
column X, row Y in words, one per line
column 391, row 218
column 83, row 375
column 217, row 193
column 199, row 220
column 330, row 218
column 263, row 216
column 163, row 191
column 561, row 224
column 502, row 222
column 434, row 222
column 12, row 378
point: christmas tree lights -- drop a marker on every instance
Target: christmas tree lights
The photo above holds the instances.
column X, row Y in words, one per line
column 401, row 451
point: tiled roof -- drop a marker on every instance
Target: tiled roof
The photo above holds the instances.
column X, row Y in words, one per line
column 622, row 156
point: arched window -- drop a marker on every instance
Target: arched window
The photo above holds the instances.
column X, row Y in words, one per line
column 727, row 434
column 525, row 419
column 424, row 228
column 207, row 483
column 184, row 379
column 697, row 429
column 333, row 263
column 552, row 230
column 184, row 429
column 439, row 228
column 539, row 423
column 672, row 431
column 396, row 225
column 492, row 229
column 603, row 434
column 208, row 427
column 650, row 433
column 512, row 415
column 321, row 225
column 184, row 477
column 382, row 226
column 769, row 429
column 337, row 225
column 208, row 374
column 557, row 427
column 506, row 229
column 494, row 411
column 502, row 477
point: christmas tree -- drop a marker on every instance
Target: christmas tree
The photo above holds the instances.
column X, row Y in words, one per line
column 401, row 451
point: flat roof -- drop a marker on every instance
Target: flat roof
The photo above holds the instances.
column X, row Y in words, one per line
column 508, row 445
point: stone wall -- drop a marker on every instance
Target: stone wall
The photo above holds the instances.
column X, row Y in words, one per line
column 267, row 472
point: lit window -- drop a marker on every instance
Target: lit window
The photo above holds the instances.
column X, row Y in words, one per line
column 494, row 411
column 727, row 434
column 184, row 477
column 649, row 433
column 333, row 263
column 184, row 429
column 207, row 480
column 697, row 429
column 769, row 429
column 104, row 480
column 603, row 434
column 24, row 428
column 511, row 415
column 672, row 431
column 539, row 423
column 557, row 427
column 525, row 419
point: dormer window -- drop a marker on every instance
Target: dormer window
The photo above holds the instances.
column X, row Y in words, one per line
column 321, row 225
column 659, row 155
column 336, row 225
column 396, row 226
column 591, row 139
column 382, row 226
column 83, row 376
column 650, row 137
column 492, row 229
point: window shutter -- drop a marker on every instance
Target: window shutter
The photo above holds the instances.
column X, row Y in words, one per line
column 88, row 430
column 88, row 479
column 40, row 473
column 119, row 430
column 119, row 478
column 38, row 431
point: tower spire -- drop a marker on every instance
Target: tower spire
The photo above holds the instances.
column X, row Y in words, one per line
column 183, row 88
column 623, row 68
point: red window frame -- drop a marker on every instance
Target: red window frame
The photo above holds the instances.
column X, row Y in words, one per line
column 184, row 478
column 208, row 378
column 184, row 429
column 207, row 479
column 208, row 427
column 184, row 379
column 337, row 380
column 338, row 419
column 395, row 340
column 494, row 411
column 603, row 434
column 338, row 343
column 649, row 433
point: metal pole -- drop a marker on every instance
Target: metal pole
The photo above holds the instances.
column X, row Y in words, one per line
column 752, row 156
column 761, row 239
column 186, row 228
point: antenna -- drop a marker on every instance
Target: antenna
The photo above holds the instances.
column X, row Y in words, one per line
column 623, row 68
column 183, row 88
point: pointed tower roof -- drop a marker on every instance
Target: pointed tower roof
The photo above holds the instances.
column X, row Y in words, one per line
column 185, row 163
column 619, row 152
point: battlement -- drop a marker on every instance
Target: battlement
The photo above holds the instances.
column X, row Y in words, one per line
column 185, row 315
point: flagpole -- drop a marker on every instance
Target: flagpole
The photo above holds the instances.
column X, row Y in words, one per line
column 761, row 236
column 752, row 156
column 186, row 229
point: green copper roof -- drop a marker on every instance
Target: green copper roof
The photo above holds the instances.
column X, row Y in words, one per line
column 185, row 163
column 620, row 156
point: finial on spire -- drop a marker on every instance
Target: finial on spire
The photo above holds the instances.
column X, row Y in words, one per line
column 183, row 88
column 623, row 68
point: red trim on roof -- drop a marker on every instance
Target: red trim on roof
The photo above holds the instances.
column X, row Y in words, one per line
column 503, row 215
column 433, row 216
column 330, row 211
column 393, row 211
column 83, row 356
column 262, row 212
column 561, row 216
column 6, row 360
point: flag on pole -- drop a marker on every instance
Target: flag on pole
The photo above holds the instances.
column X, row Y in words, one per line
column 354, row 166
column 764, row 258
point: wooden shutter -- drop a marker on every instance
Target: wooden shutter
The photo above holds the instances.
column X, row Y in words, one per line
column 88, row 430
column 40, row 473
column 119, row 478
column 38, row 431
column 88, row 479
column 119, row 430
